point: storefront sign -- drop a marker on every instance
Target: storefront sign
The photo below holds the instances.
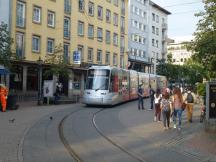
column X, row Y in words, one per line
column 76, row 57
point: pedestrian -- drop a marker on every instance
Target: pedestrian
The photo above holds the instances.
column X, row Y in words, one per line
column 190, row 101
column 151, row 95
column 177, row 104
column 166, row 106
column 3, row 97
column 157, row 100
column 140, row 97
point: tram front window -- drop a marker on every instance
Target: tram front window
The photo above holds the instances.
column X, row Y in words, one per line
column 98, row 79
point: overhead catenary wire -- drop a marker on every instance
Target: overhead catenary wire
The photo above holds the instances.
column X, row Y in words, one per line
column 183, row 4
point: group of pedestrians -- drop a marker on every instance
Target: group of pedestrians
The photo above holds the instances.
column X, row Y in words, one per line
column 170, row 104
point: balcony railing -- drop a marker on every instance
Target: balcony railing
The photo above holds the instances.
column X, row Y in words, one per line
column 164, row 26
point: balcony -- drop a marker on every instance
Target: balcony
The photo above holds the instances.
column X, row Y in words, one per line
column 137, row 58
column 164, row 26
column 164, row 38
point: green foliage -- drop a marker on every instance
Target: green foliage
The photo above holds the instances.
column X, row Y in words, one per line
column 201, row 87
column 58, row 64
column 205, row 38
column 5, row 45
column 169, row 58
column 191, row 72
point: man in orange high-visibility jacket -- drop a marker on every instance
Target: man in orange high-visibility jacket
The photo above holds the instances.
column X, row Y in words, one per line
column 3, row 97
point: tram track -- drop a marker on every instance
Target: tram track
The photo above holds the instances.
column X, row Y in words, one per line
column 123, row 149
column 65, row 142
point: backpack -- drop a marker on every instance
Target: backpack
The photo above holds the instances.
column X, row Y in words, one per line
column 190, row 98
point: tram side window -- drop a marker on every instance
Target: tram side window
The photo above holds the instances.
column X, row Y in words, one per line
column 113, row 82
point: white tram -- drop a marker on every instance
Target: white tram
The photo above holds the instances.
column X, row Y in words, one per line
column 107, row 85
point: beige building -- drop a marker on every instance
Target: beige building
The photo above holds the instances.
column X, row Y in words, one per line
column 179, row 52
column 95, row 30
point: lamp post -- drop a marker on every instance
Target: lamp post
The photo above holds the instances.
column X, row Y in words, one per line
column 40, row 63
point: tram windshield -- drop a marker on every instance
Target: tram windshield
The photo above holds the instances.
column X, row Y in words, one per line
column 98, row 79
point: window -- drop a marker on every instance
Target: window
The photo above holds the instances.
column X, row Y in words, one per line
column 108, row 16
column 152, row 42
column 121, row 61
column 157, row 31
column 91, row 31
column 107, row 59
column 36, row 14
column 90, row 54
column 67, row 6
column 66, row 52
column 115, row 2
column 51, row 19
column 50, row 46
column 20, row 14
column 115, row 39
column 107, row 37
column 115, row 19
column 20, row 44
column 114, row 59
column 100, row 12
column 100, row 34
column 153, row 29
column 81, row 49
column 99, row 56
column 80, row 28
column 36, row 43
column 66, row 27
column 122, row 24
column 156, row 43
column 81, row 5
column 157, row 18
column 153, row 17
column 123, row 7
column 91, row 9
column 122, row 44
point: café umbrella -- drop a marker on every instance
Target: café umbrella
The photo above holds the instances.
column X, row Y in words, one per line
column 3, row 70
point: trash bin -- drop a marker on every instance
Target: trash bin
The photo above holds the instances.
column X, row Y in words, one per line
column 12, row 102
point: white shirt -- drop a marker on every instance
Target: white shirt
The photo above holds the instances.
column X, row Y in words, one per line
column 157, row 99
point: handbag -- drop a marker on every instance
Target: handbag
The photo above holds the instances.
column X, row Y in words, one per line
column 183, row 106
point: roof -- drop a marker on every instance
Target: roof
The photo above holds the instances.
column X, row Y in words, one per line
column 160, row 8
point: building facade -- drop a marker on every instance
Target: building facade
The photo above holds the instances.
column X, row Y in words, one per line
column 179, row 52
column 96, row 30
column 147, row 35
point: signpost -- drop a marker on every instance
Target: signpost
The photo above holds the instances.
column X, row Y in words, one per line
column 76, row 57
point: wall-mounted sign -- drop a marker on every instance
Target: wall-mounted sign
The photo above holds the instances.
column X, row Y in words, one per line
column 76, row 57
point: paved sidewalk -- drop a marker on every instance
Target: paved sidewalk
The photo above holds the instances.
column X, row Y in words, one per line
column 14, row 124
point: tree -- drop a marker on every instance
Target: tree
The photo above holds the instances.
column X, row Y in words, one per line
column 205, row 38
column 58, row 63
column 5, row 45
column 169, row 58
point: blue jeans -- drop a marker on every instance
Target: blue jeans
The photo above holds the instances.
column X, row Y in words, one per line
column 140, row 102
column 178, row 113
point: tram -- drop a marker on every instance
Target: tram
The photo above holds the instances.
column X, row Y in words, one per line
column 107, row 85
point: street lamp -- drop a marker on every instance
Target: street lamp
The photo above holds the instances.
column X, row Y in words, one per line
column 40, row 63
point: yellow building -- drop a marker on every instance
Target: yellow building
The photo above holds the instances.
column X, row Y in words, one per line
column 96, row 29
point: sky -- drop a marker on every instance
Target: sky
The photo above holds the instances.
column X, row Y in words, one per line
column 182, row 22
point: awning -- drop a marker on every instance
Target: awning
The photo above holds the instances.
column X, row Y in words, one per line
column 3, row 70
